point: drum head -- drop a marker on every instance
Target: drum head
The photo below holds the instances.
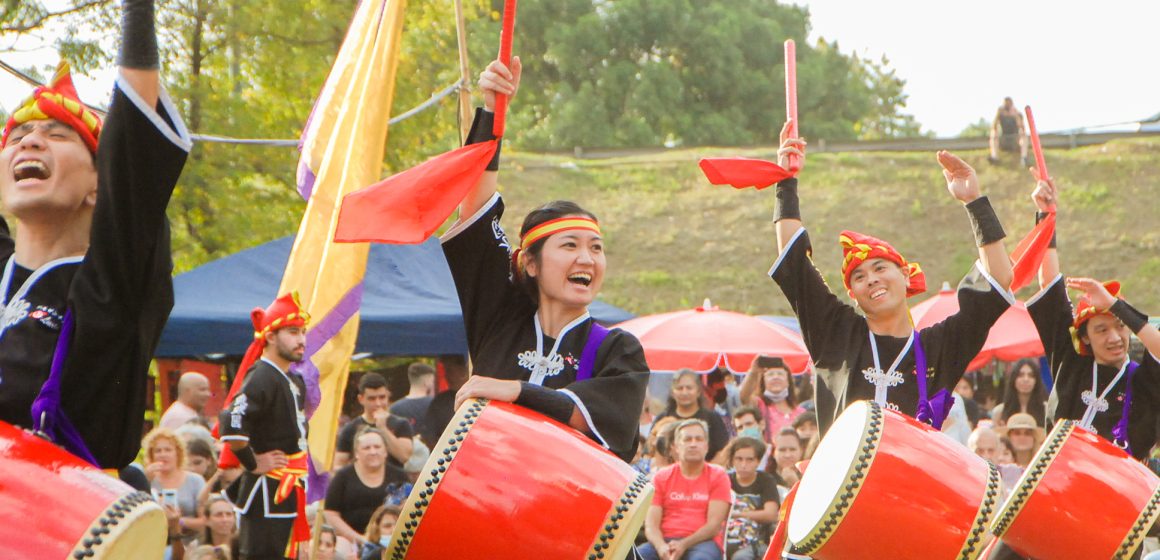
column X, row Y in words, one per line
column 829, row 470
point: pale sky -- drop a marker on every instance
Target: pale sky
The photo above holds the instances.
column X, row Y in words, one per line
column 1078, row 64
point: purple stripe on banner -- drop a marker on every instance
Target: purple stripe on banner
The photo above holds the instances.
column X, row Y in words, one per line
column 316, row 483
column 305, row 179
column 319, row 334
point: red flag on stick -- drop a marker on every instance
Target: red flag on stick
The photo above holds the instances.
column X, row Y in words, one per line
column 745, row 172
column 1031, row 250
column 408, row 207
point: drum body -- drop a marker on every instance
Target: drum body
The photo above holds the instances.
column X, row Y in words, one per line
column 54, row 505
column 883, row 485
column 506, row 482
column 1080, row 497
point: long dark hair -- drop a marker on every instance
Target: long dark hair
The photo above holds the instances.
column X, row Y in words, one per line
column 1035, row 403
column 548, row 212
column 671, row 406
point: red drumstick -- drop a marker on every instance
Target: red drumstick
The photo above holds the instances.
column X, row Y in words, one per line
column 791, row 106
column 1039, row 163
column 505, row 56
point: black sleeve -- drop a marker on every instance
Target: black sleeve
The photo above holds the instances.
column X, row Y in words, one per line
column 963, row 334
column 769, row 491
column 826, row 322
column 336, row 490
column 718, row 435
column 1051, row 312
column 438, row 416
column 345, row 443
column 7, row 245
column 612, row 399
column 479, row 256
column 239, row 418
column 123, row 291
column 400, row 427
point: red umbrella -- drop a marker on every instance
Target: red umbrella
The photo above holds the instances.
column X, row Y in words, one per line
column 409, row 206
column 1012, row 337
column 705, row 338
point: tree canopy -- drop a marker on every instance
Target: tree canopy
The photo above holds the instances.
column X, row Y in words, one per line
column 603, row 73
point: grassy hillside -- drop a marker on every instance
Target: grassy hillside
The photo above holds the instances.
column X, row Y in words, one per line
column 673, row 239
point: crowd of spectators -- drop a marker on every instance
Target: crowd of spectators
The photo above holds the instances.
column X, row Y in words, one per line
column 723, row 450
column 771, row 428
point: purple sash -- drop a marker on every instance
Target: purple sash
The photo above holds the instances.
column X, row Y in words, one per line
column 1120, row 430
column 48, row 419
column 931, row 411
column 596, row 337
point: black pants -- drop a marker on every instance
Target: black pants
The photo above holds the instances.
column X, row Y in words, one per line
column 264, row 538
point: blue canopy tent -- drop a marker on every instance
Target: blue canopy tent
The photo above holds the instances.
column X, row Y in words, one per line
column 409, row 304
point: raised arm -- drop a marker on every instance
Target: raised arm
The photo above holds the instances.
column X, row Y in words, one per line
column 1045, row 201
column 138, row 60
column 963, row 184
column 496, row 78
column 787, row 218
column 1134, row 319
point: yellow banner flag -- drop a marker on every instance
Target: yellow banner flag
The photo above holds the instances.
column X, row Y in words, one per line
column 342, row 151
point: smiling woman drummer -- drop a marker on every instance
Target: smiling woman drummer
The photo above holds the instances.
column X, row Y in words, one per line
column 531, row 338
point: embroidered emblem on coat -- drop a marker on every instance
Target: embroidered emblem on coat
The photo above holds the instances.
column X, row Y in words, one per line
column 238, row 411
column 541, row 366
column 15, row 312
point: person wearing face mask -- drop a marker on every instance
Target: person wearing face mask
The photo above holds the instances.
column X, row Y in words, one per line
column 769, row 386
column 379, row 530
column 1095, row 380
column 748, row 422
column 525, row 307
column 878, row 354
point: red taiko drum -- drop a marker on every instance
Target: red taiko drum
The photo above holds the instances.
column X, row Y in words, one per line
column 54, row 505
column 506, row 482
column 884, row 485
column 1080, row 497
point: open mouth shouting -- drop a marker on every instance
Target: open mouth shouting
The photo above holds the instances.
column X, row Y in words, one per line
column 30, row 169
column 581, row 278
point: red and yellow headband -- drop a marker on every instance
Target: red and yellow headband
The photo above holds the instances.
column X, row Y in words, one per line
column 548, row 228
column 558, row 225
column 58, row 101
column 1084, row 311
column 858, row 248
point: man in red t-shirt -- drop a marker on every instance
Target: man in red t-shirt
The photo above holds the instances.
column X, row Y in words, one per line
column 691, row 502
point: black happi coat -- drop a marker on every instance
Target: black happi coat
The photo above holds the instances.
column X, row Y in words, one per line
column 120, row 292
column 502, row 332
column 838, row 337
column 1051, row 311
column 269, row 412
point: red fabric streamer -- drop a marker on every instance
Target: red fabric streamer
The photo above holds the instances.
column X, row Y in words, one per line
column 409, row 206
column 741, row 173
column 1029, row 253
